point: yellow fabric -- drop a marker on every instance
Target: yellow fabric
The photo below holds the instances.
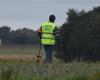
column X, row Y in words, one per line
column 47, row 33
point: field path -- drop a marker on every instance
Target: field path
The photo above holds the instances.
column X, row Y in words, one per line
column 17, row 57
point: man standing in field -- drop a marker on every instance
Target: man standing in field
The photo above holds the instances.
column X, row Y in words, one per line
column 47, row 36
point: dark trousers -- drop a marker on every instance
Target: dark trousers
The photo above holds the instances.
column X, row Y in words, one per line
column 49, row 52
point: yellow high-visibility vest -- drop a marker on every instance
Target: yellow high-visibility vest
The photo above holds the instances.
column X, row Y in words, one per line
column 47, row 33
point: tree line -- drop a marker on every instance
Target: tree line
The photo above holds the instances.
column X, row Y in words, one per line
column 81, row 35
column 19, row 36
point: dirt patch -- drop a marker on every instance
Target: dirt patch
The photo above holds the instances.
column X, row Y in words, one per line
column 15, row 57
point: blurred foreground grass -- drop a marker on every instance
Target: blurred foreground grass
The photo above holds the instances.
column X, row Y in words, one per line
column 56, row 71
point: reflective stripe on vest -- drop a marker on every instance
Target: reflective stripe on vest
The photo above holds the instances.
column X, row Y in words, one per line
column 47, row 33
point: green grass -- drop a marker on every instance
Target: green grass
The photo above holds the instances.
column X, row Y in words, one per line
column 18, row 49
column 55, row 71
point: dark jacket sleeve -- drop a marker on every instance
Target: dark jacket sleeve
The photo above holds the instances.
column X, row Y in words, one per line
column 56, row 35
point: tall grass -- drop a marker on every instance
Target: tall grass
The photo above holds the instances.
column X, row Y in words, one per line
column 55, row 71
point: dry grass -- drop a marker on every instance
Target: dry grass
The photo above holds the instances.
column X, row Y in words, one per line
column 15, row 57
column 21, row 58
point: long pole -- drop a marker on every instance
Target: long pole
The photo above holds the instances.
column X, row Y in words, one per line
column 38, row 55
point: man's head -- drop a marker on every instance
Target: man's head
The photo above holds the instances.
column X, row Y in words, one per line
column 52, row 18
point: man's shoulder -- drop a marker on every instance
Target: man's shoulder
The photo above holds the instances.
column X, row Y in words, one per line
column 44, row 23
column 48, row 23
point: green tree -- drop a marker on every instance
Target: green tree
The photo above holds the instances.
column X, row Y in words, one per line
column 4, row 34
column 81, row 35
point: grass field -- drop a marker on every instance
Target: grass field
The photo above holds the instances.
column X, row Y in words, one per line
column 29, row 70
column 19, row 52
column 18, row 49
